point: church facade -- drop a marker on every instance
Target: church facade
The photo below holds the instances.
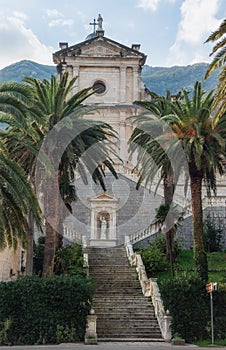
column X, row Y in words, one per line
column 114, row 72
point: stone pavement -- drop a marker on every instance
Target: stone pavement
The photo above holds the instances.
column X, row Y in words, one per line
column 111, row 346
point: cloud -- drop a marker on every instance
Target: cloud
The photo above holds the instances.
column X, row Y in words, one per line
column 198, row 20
column 149, row 4
column 152, row 4
column 18, row 42
column 58, row 19
column 61, row 22
column 54, row 13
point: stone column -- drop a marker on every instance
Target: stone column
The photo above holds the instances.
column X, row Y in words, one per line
column 136, row 84
column 122, row 138
column 123, row 85
column 76, row 85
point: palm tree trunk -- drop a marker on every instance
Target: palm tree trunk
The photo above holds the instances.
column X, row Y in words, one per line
column 198, row 232
column 49, row 251
column 51, row 208
column 30, row 248
column 168, row 187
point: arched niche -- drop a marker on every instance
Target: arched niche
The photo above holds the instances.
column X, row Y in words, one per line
column 103, row 221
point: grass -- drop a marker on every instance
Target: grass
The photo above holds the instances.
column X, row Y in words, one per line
column 185, row 263
column 208, row 342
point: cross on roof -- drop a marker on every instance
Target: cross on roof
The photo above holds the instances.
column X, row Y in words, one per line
column 94, row 24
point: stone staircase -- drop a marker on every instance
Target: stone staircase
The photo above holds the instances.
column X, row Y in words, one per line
column 123, row 313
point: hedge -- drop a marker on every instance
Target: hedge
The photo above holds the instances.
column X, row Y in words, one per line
column 189, row 304
column 36, row 310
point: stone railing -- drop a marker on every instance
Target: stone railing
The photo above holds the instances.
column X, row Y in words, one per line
column 73, row 236
column 150, row 289
column 91, row 319
column 139, row 235
column 155, row 228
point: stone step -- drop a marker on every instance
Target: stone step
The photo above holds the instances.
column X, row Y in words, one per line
column 109, row 338
column 112, row 269
column 130, row 338
column 117, row 285
column 115, row 315
column 130, row 323
column 122, row 310
column 126, row 298
column 126, row 333
column 129, row 332
column 122, row 293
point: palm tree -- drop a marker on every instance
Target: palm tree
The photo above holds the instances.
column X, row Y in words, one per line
column 202, row 138
column 16, row 195
column 64, row 115
column 22, row 139
column 219, row 52
column 144, row 140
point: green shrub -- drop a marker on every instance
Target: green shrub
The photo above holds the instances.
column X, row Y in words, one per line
column 187, row 300
column 38, row 256
column 189, row 305
column 69, row 260
column 153, row 259
column 154, row 256
column 36, row 308
column 219, row 312
column 212, row 235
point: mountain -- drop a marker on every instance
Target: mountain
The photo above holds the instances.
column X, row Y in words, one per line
column 156, row 79
column 161, row 79
column 18, row 71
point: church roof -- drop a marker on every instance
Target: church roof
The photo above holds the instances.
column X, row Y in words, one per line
column 87, row 48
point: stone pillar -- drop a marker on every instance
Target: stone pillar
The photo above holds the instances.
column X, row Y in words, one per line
column 122, row 138
column 91, row 332
column 122, row 84
column 167, row 327
column 76, row 85
column 136, row 84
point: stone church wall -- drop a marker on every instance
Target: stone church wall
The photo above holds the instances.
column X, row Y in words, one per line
column 136, row 208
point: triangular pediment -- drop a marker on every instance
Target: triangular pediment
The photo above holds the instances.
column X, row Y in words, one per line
column 102, row 47
column 103, row 197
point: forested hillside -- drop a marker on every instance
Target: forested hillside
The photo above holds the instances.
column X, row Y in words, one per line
column 19, row 70
column 156, row 79
column 161, row 79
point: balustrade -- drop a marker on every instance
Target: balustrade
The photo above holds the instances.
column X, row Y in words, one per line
column 150, row 289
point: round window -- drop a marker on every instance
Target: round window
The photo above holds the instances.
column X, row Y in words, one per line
column 99, row 87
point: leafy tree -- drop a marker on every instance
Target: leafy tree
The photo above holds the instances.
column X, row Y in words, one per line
column 87, row 151
column 16, row 195
column 219, row 52
column 146, row 140
column 202, row 138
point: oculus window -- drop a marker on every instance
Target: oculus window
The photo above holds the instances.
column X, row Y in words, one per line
column 99, row 87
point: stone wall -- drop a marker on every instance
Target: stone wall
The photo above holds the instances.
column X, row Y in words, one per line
column 184, row 232
column 10, row 263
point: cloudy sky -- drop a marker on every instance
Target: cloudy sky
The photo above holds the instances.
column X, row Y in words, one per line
column 171, row 32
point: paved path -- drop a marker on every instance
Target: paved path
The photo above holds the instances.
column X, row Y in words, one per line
column 110, row 346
